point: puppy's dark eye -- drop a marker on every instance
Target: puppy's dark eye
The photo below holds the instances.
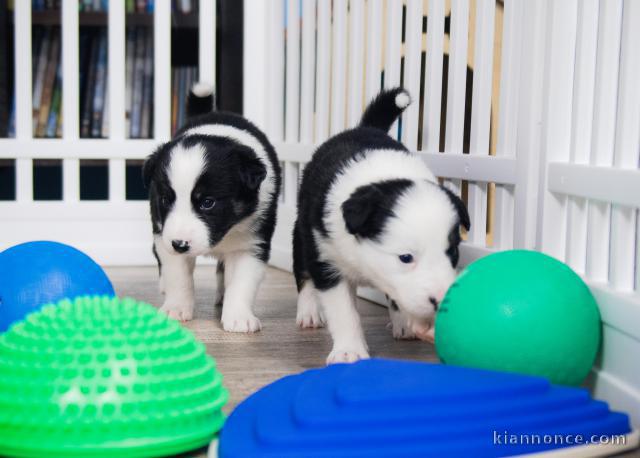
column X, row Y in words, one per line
column 164, row 201
column 406, row 258
column 207, row 204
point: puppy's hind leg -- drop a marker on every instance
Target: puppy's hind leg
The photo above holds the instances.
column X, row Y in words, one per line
column 309, row 313
column 177, row 277
column 219, row 283
column 243, row 275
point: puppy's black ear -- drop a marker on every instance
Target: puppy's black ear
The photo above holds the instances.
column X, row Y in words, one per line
column 460, row 207
column 360, row 208
column 251, row 170
column 149, row 167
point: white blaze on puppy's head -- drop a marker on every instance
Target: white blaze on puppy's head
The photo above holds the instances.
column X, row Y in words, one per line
column 182, row 226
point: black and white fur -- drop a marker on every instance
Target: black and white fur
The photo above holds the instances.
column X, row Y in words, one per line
column 372, row 213
column 213, row 191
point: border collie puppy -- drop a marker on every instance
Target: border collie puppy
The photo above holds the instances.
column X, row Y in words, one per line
column 372, row 213
column 213, row 191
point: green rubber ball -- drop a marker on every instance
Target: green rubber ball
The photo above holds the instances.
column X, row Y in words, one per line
column 520, row 311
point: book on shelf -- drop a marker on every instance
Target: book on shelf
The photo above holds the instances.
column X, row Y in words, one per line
column 89, row 87
column 48, row 86
column 147, row 88
column 56, row 103
column 130, row 53
column 100, row 87
column 41, row 67
column 137, row 84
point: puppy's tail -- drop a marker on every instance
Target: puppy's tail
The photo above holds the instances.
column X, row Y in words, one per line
column 200, row 100
column 385, row 109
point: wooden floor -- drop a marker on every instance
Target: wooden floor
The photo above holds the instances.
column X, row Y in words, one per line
column 250, row 361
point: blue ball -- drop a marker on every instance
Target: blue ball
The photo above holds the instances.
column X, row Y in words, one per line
column 35, row 273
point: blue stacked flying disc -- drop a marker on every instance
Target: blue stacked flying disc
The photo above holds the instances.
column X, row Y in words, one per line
column 382, row 408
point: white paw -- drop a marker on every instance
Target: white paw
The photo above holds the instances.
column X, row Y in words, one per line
column 309, row 315
column 401, row 325
column 425, row 331
column 346, row 355
column 246, row 322
column 178, row 310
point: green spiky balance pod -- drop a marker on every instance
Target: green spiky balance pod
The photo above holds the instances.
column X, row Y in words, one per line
column 103, row 377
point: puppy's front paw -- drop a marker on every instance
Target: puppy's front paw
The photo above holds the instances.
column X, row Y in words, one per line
column 346, row 355
column 182, row 310
column 309, row 315
column 425, row 331
column 400, row 327
column 245, row 322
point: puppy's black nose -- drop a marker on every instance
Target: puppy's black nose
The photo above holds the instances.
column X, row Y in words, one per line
column 434, row 302
column 181, row 246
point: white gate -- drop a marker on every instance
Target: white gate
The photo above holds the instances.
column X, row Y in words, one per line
column 115, row 231
column 551, row 144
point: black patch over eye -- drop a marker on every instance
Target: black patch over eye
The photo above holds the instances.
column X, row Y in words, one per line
column 454, row 240
column 207, row 204
column 165, row 201
column 406, row 258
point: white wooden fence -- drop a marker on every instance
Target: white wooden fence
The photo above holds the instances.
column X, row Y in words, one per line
column 566, row 161
column 115, row 231
column 562, row 176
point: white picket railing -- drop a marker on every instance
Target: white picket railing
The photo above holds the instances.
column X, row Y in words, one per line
column 115, row 231
column 566, row 160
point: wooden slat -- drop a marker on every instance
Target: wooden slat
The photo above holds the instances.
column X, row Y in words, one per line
column 117, row 59
column 307, row 70
column 433, row 77
column 583, row 88
column 556, row 141
column 627, row 148
column 70, row 66
column 393, row 44
column 323, row 75
column 374, row 48
column 338, row 67
column 603, row 134
column 457, row 83
column 356, row 61
column 597, row 183
column 162, row 70
column 412, row 64
column 292, row 81
column 117, row 180
column 71, row 179
column 24, row 179
column 22, row 49
column 481, row 114
column 207, row 42
column 503, row 231
column 275, row 69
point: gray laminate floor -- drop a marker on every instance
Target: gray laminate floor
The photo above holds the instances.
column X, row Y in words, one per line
column 250, row 361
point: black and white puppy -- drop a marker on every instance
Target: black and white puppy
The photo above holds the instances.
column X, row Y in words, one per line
column 372, row 213
column 213, row 191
